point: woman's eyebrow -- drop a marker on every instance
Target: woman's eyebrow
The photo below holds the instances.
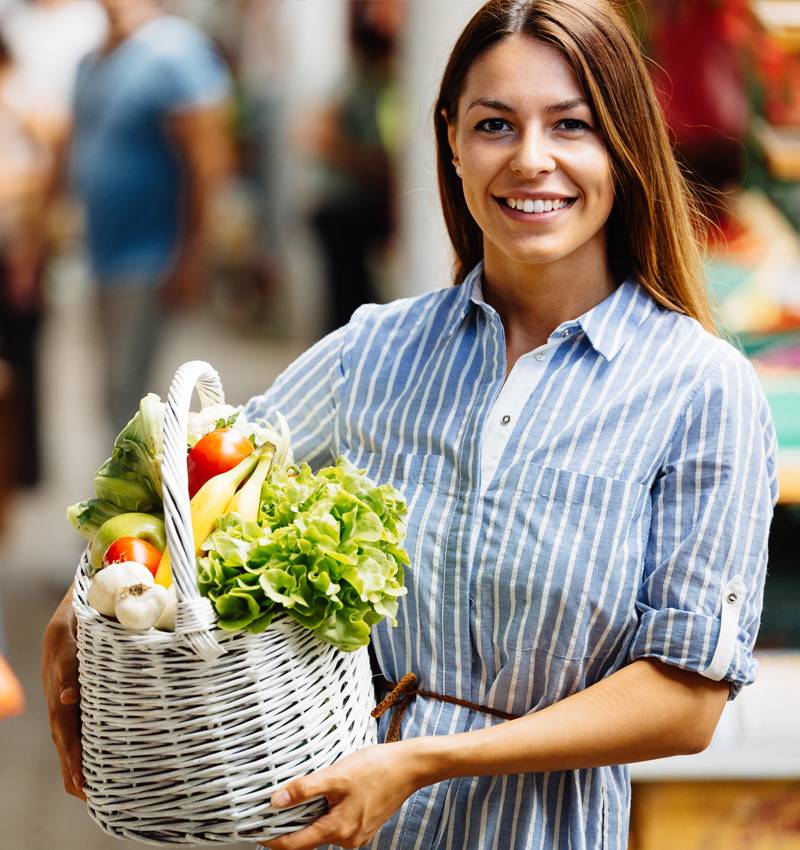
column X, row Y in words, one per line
column 489, row 103
column 566, row 104
column 563, row 106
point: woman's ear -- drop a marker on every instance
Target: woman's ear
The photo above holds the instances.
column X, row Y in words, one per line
column 451, row 135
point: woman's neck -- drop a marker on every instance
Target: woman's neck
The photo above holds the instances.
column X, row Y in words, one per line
column 534, row 299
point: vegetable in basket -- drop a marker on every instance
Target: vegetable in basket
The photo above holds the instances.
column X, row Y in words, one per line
column 109, row 582
column 130, row 480
column 141, row 526
column 210, row 503
column 128, row 592
column 133, row 549
column 326, row 548
column 214, row 454
column 131, row 477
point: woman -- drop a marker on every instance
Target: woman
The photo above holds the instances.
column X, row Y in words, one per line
column 589, row 469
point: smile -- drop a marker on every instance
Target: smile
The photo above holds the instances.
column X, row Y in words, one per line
column 528, row 209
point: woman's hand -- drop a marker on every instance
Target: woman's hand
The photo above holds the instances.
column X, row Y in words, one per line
column 60, row 682
column 363, row 791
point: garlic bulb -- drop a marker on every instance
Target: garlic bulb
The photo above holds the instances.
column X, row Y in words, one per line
column 110, row 580
column 166, row 622
column 140, row 605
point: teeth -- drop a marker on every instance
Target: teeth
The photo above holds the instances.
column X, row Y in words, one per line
column 538, row 206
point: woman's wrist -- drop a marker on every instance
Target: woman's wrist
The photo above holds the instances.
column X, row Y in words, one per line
column 430, row 759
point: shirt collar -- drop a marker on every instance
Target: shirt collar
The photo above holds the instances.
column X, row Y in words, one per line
column 608, row 325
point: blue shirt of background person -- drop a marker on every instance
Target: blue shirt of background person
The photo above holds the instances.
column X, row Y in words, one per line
column 123, row 165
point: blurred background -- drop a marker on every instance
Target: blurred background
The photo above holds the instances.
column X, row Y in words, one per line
column 229, row 180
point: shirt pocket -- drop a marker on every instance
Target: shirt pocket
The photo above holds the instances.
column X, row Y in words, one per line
column 568, row 552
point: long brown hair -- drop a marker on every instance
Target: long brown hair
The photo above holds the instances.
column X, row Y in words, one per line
column 655, row 224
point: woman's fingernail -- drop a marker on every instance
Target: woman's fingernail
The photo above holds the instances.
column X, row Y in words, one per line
column 69, row 696
column 282, row 798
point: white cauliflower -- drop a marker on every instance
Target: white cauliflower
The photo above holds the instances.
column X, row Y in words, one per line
column 208, row 419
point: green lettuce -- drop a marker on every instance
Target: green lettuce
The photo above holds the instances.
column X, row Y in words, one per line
column 131, row 477
column 130, row 480
column 87, row 516
column 327, row 549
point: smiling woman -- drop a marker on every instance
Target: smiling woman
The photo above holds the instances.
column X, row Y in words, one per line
column 589, row 469
column 535, row 172
column 585, row 49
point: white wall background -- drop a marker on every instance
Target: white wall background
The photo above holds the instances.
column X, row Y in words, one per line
column 426, row 255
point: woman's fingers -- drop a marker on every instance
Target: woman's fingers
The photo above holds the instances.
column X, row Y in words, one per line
column 363, row 790
column 66, row 734
column 322, row 831
column 317, row 784
column 62, row 691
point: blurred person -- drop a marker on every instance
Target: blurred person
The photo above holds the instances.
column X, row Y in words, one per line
column 249, row 217
column 149, row 145
column 355, row 216
column 24, row 162
column 48, row 39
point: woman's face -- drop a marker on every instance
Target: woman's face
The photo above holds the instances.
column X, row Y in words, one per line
column 535, row 170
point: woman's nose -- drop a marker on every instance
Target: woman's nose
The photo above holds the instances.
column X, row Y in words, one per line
column 532, row 155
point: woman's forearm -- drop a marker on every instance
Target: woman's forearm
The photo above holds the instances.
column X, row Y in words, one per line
column 644, row 711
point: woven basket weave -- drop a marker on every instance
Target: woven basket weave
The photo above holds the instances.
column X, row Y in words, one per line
column 186, row 734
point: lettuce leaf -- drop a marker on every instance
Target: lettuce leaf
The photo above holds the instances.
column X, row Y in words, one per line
column 130, row 480
column 327, row 550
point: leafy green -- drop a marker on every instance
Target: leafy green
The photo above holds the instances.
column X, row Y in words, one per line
column 222, row 422
column 326, row 549
column 131, row 477
column 87, row 516
column 130, row 480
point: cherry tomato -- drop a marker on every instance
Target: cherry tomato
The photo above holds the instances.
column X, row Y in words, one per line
column 133, row 549
column 214, row 454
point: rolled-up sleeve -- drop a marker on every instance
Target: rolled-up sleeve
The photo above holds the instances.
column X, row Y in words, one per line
column 700, row 601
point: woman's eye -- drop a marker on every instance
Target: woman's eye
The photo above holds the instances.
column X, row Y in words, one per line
column 492, row 125
column 573, row 125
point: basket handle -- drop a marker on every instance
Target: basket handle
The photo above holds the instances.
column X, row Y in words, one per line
column 195, row 618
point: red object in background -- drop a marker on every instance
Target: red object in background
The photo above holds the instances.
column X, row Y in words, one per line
column 705, row 47
column 133, row 549
column 701, row 78
column 214, row 454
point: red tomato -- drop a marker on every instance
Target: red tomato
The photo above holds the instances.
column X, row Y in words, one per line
column 214, row 454
column 133, row 549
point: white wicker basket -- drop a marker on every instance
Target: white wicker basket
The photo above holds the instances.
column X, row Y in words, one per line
column 186, row 735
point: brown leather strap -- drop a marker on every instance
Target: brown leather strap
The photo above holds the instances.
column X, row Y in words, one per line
column 402, row 693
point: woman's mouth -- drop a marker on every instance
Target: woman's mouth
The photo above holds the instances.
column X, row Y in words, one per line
column 526, row 209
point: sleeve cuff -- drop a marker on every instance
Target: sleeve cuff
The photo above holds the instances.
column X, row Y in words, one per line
column 712, row 646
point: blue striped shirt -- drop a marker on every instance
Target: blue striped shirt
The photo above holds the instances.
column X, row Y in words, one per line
column 627, row 517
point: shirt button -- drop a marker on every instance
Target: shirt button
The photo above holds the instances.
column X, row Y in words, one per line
column 506, row 419
column 540, row 357
column 566, row 332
